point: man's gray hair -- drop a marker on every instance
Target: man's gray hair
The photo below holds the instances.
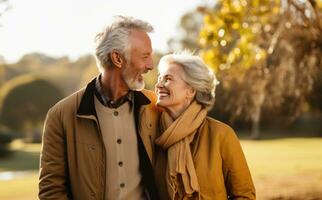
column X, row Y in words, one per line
column 116, row 37
column 196, row 74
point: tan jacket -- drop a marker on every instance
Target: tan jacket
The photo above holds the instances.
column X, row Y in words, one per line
column 219, row 161
column 72, row 161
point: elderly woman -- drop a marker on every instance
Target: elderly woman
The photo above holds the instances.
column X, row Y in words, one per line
column 196, row 157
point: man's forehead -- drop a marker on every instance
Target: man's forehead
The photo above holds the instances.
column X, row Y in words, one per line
column 138, row 35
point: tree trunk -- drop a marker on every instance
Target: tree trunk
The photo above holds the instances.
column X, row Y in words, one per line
column 255, row 133
column 255, row 130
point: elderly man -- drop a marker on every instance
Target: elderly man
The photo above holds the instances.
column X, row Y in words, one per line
column 97, row 142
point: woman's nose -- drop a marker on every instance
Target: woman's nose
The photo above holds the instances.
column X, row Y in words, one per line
column 159, row 84
column 157, row 87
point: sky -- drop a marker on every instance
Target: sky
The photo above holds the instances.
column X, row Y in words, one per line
column 68, row 27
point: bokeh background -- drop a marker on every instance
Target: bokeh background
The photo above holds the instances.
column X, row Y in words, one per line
column 267, row 56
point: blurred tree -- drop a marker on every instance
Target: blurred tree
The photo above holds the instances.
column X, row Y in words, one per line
column 189, row 27
column 315, row 100
column 61, row 71
column 7, row 72
column 35, row 62
column 265, row 52
column 72, row 73
column 90, row 72
column 2, row 73
column 5, row 139
column 24, row 102
column 4, row 7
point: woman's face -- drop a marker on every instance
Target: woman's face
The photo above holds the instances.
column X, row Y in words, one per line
column 173, row 92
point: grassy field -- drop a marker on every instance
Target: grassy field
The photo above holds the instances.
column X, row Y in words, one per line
column 23, row 188
column 286, row 168
column 24, row 158
column 282, row 169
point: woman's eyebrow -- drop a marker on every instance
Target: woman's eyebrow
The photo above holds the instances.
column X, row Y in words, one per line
column 165, row 76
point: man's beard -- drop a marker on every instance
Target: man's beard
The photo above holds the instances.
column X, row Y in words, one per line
column 133, row 82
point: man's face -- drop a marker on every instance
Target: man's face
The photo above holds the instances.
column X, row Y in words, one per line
column 140, row 60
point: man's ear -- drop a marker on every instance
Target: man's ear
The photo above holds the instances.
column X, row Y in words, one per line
column 117, row 59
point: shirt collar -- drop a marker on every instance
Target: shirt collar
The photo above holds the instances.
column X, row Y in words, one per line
column 107, row 101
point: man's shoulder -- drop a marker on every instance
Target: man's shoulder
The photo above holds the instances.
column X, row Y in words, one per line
column 150, row 95
column 151, row 107
column 70, row 102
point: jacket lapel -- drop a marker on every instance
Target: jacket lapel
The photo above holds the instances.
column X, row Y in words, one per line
column 140, row 100
column 87, row 110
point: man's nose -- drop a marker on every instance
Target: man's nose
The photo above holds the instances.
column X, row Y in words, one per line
column 149, row 65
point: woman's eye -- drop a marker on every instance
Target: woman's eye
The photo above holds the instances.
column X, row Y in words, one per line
column 163, row 79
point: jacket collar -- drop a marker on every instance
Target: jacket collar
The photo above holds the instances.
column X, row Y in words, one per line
column 87, row 106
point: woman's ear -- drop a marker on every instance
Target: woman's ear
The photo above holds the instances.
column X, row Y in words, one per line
column 117, row 59
column 191, row 93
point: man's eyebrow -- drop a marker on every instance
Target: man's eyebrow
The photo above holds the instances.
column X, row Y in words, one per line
column 147, row 53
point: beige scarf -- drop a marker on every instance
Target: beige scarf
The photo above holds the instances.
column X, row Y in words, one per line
column 177, row 135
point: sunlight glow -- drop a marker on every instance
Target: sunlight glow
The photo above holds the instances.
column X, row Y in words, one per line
column 58, row 27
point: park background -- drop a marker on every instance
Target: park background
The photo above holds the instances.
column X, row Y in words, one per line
column 267, row 55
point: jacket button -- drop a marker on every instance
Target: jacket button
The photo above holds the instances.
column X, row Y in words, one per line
column 122, row 185
column 120, row 163
column 119, row 141
column 116, row 113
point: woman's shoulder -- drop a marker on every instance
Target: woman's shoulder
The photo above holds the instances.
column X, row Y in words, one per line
column 216, row 124
column 218, row 129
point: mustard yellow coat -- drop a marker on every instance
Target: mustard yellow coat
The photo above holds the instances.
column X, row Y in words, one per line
column 219, row 161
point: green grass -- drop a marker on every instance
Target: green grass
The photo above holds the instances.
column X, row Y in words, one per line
column 282, row 169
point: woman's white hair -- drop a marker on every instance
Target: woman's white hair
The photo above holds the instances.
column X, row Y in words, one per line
column 116, row 37
column 196, row 74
